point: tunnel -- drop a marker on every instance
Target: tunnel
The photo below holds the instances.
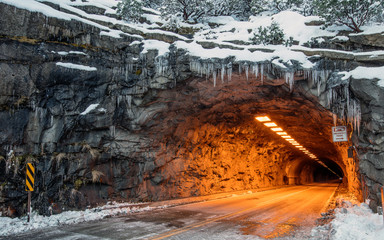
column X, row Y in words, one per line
column 209, row 139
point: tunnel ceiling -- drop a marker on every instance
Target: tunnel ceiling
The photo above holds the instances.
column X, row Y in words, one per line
column 237, row 102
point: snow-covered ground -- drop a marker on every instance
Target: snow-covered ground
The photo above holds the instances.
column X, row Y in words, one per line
column 18, row 225
column 352, row 221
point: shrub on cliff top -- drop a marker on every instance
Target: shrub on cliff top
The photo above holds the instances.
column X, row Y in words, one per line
column 351, row 13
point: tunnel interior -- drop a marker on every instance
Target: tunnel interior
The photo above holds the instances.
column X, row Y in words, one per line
column 209, row 141
column 323, row 174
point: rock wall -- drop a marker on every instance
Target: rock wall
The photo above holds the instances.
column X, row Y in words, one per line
column 369, row 144
column 125, row 147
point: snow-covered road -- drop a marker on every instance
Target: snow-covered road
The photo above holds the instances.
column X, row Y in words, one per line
column 289, row 213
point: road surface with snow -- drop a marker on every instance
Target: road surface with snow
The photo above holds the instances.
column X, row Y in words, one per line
column 288, row 213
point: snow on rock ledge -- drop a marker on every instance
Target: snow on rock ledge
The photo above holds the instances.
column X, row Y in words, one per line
column 76, row 66
column 366, row 73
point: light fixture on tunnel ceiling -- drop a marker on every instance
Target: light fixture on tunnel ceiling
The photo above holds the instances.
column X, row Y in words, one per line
column 279, row 131
column 263, row 119
column 270, row 124
column 282, row 134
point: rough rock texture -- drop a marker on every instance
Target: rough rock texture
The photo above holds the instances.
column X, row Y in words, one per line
column 153, row 135
column 375, row 40
column 370, row 143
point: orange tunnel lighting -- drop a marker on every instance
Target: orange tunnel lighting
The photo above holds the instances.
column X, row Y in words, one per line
column 263, row 119
column 270, row 124
column 279, row 131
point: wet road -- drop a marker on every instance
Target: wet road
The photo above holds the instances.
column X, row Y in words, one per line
column 287, row 213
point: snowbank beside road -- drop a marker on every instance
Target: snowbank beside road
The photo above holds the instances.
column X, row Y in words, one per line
column 356, row 222
column 10, row 226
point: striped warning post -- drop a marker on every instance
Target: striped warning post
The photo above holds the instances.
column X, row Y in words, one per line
column 30, row 177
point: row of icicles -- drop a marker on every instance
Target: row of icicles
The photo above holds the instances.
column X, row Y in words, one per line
column 343, row 104
column 208, row 69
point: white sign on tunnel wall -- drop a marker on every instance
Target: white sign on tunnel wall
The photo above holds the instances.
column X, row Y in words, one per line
column 339, row 134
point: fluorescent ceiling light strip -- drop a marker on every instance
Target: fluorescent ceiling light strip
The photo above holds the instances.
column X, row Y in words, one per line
column 283, row 134
column 263, row 119
column 270, row 124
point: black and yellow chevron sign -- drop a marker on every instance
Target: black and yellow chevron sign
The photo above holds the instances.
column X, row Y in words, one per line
column 30, row 177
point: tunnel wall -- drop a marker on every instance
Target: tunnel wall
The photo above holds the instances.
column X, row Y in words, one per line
column 212, row 158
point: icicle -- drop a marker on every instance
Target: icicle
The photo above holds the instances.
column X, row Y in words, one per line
column 128, row 98
column 130, row 67
column 209, row 70
column 222, row 72
column 346, row 107
column 40, row 113
column 329, row 97
column 126, row 73
column 290, row 79
column 118, row 101
column 112, row 131
column 255, row 70
column 161, row 65
column 262, row 73
column 229, row 71
column 246, row 66
column 203, row 69
column 214, row 77
column 358, row 116
column 346, row 94
column 334, row 119
column 239, row 68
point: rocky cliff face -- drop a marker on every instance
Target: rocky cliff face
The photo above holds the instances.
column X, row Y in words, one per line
column 104, row 120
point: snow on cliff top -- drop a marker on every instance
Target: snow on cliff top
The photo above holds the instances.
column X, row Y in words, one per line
column 366, row 73
column 229, row 32
column 292, row 23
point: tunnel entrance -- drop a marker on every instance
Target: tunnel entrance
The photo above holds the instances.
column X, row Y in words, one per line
column 210, row 140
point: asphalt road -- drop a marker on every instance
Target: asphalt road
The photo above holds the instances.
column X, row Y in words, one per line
column 287, row 213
